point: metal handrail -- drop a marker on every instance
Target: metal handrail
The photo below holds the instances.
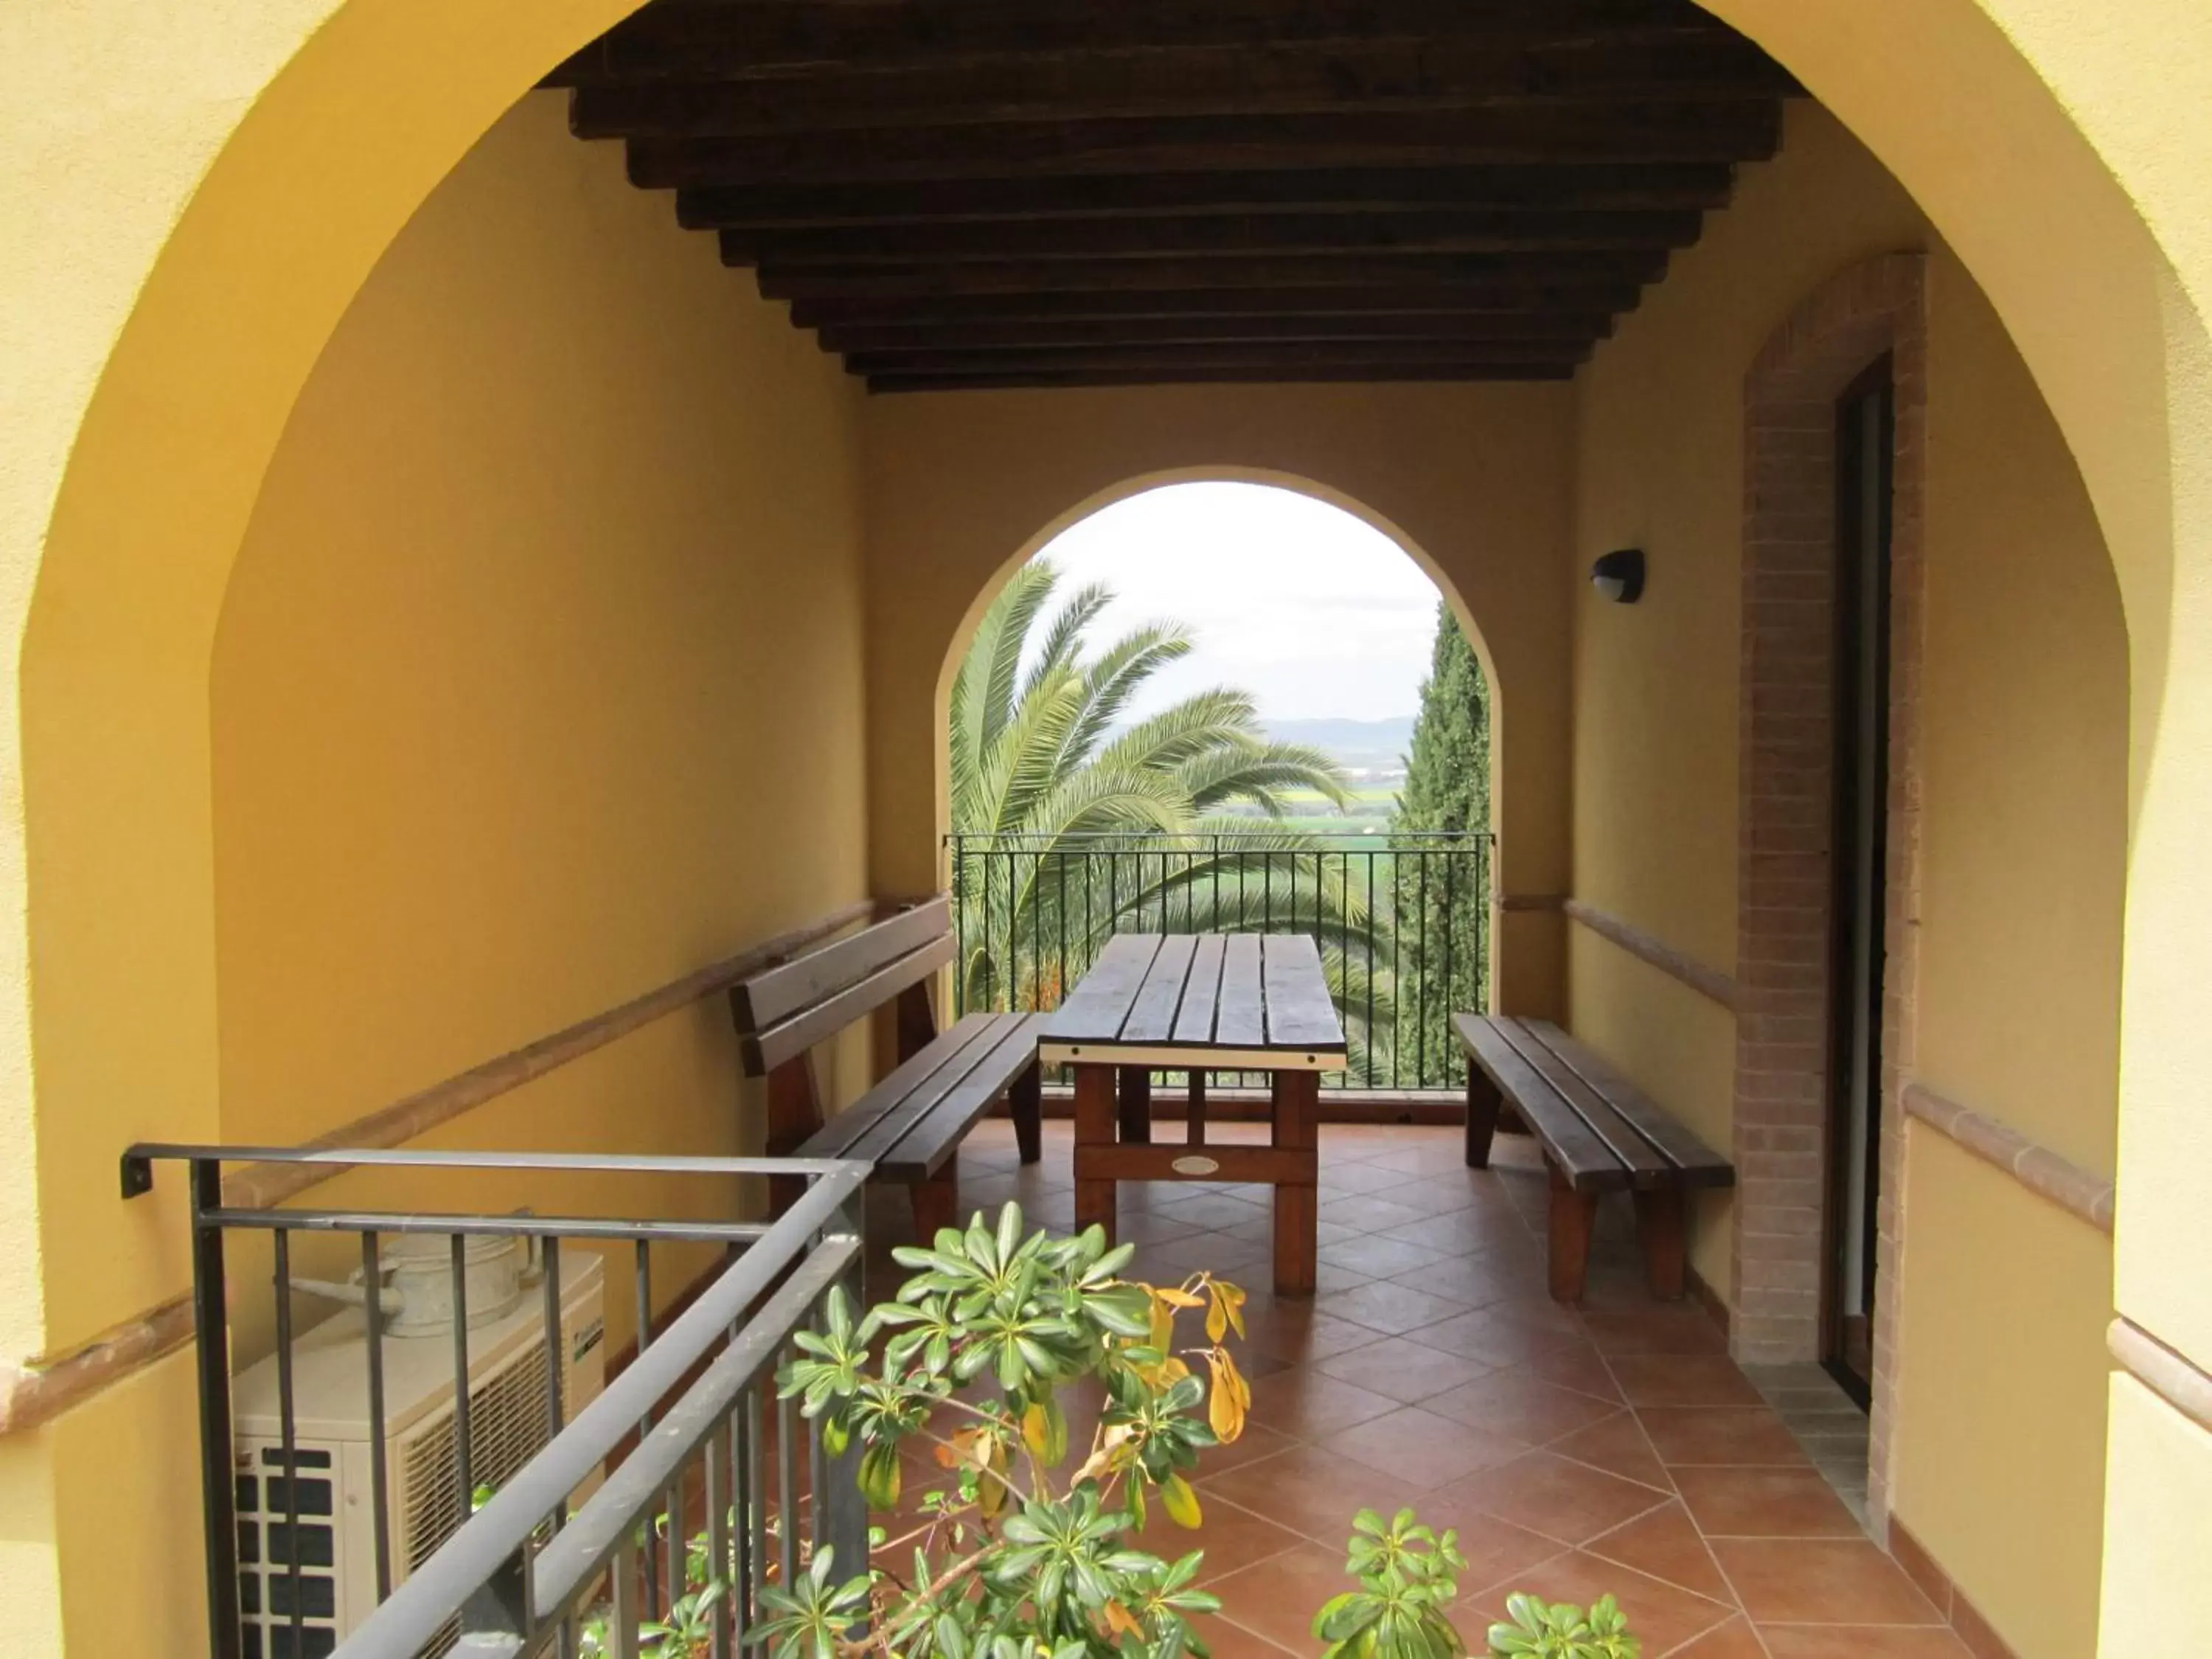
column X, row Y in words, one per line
column 496, row 1534
column 489, row 1575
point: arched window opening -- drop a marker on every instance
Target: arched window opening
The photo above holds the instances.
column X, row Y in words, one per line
column 1222, row 706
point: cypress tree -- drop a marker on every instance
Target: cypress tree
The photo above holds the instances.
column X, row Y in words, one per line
column 1446, row 788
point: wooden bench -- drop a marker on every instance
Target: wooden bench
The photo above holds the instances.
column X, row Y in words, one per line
column 1599, row 1134
column 910, row 1125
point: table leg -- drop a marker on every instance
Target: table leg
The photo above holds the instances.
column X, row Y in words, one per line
column 1197, row 1133
column 1094, row 1128
column 1136, row 1106
column 1296, row 1099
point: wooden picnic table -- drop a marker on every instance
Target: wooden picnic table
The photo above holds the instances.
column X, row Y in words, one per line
column 1199, row 1003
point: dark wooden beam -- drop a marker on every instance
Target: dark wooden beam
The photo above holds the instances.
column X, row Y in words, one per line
column 1502, row 299
column 739, row 39
column 1430, row 75
column 1623, row 187
column 674, row 151
column 1441, row 270
column 1514, row 230
column 1363, row 372
column 986, row 335
column 1266, row 354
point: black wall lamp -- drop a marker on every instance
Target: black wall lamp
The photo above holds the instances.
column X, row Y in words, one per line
column 1618, row 576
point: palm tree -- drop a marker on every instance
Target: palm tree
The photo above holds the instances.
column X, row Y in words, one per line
column 1067, row 829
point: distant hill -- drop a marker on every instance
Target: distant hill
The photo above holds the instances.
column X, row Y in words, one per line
column 1362, row 745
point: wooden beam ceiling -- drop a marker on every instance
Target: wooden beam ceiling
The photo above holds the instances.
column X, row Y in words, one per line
column 1058, row 192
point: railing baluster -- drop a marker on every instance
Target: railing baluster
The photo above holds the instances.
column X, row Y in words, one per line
column 754, row 1484
column 643, row 1279
column 289, row 1432
column 379, row 1502
column 718, row 1537
column 463, row 1471
column 218, row 1489
column 622, row 1620
column 787, row 1486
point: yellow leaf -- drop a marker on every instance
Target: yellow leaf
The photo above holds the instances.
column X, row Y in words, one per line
column 1179, row 1502
column 1121, row 1622
column 1227, row 1401
column 1216, row 1319
column 991, row 1490
column 1162, row 1337
column 1036, row 1430
column 1232, row 1298
column 1178, row 1298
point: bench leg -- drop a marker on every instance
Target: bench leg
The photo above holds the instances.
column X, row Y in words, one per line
column 937, row 1202
column 1574, row 1216
column 795, row 1114
column 1660, row 1230
column 1025, row 1105
column 1483, row 1100
column 915, row 1017
column 1136, row 1089
column 1094, row 1127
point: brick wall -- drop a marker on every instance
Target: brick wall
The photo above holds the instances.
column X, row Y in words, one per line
column 1784, row 890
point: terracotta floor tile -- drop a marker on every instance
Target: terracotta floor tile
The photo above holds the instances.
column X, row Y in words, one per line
column 1378, row 1257
column 1348, row 1177
column 1422, row 1157
column 1721, row 1434
column 1277, row 1598
column 1260, row 1230
column 1662, row 1616
column 1820, row 1581
column 1394, row 1309
column 1521, row 1405
column 1618, row 1446
column 1329, row 1279
column 1233, row 1537
column 1733, row 1640
column 1495, row 1550
column 1682, row 1379
column 1211, row 1210
column 1579, row 1369
column 1421, row 1447
column 1405, row 1370
column 1493, row 1226
column 1664, row 1544
column 1292, row 1331
column 1482, row 1335
column 1474, row 1281
column 1368, row 1213
column 1227, row 1639
column 1308, row 1403
column 1314, row 1493
column 1689, row 1329
column 1571, row 1502
column 1144, row 1227
column 1258, row 1441
column 1755, row 1503
column 1861, row 1642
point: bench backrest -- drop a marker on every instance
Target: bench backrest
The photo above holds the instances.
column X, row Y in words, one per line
column 785, row 1009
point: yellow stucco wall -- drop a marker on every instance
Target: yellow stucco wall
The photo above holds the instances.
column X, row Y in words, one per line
column 2024, row 713
column 962, row 486
column 537, row 684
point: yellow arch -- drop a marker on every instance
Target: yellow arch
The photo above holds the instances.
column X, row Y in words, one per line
column 231, row 198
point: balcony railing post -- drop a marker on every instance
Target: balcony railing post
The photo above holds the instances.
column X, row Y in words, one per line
column 218, row 1496
column 841, row 1510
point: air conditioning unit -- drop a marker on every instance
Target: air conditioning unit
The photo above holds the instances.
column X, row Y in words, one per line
column 507, row 1424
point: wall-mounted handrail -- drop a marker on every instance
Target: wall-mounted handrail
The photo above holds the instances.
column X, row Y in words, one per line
column 37, row 1390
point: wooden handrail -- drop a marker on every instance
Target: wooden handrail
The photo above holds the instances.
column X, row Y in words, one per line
column 1706, row 982
column 2080, row 1193
column 36, row 1391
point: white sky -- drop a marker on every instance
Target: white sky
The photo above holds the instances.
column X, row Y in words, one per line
column 1306, row 607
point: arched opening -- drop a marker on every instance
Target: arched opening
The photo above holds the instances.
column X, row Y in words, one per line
column 1281, row 723
column 154, row 481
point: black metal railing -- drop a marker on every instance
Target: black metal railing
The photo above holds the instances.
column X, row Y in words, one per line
column 1402, row 919
column 581, row 1527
